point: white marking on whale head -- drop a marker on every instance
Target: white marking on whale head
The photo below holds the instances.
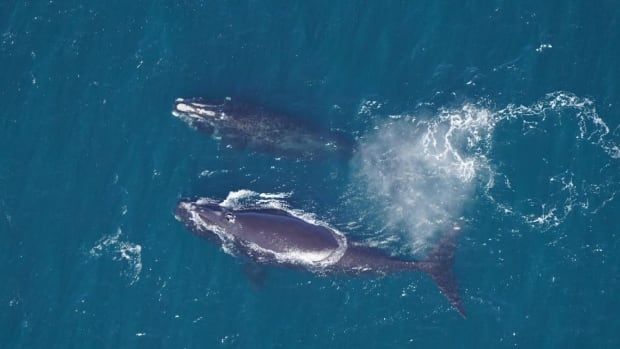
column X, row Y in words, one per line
column 194, row 113
column 202, row 225
column 195, row 110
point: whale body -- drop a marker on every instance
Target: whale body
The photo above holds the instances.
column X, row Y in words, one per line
column 241, row 125
column 273, row 236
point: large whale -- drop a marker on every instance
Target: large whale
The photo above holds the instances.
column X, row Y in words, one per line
column 242, row 125
column 273, row 236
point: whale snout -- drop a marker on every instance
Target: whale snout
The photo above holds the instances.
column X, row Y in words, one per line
column 183, row 211
column 194, row 109
column 200, row 213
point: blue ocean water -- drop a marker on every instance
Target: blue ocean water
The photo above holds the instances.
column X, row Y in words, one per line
column 498, row 117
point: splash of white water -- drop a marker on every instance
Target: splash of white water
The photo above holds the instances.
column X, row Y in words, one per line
column 124, row 251
column 420, row 172
column 423, row 171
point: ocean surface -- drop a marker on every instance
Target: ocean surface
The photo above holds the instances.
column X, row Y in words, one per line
column 500, row 118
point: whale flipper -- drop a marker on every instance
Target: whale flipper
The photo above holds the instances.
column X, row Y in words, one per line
column 438, row 264
column 255, row 274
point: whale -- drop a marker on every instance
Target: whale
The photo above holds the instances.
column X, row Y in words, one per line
column 246, row 126
column 269, row 236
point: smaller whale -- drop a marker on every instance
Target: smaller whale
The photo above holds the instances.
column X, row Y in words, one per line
column 253, row 127
column 273, row 236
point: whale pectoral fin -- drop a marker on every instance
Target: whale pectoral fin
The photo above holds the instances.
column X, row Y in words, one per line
column 256, row 274
column 438, row 264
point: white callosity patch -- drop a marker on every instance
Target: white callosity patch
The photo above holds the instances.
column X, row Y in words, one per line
column 193, row 112
column 194, row 108
column 123, row 251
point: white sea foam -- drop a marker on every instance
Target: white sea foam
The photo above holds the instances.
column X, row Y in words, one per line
column 208, row 173
column 567, row 107
column 571, row 188
column 423, row 171
column 128, row 253
column 243, row 198
column 369, row 107
column 420, row 171
column 543, row 47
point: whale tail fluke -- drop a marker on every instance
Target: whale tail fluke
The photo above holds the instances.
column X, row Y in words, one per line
column 438, row 264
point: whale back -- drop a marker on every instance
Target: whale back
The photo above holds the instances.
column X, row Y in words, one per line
column 280, row 232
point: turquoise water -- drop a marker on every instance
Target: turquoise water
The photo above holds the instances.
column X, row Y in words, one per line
column 500, row 118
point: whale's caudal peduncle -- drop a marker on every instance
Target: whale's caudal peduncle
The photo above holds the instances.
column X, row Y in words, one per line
column 277, row 237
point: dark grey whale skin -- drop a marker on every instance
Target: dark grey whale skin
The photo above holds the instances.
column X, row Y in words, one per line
column 244, row 125
column 278, row 231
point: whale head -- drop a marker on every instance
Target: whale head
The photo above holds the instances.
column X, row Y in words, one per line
column 198, row 113
column 205, row 217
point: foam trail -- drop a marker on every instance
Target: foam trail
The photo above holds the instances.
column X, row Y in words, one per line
column 560, row 120
column 560, row 105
